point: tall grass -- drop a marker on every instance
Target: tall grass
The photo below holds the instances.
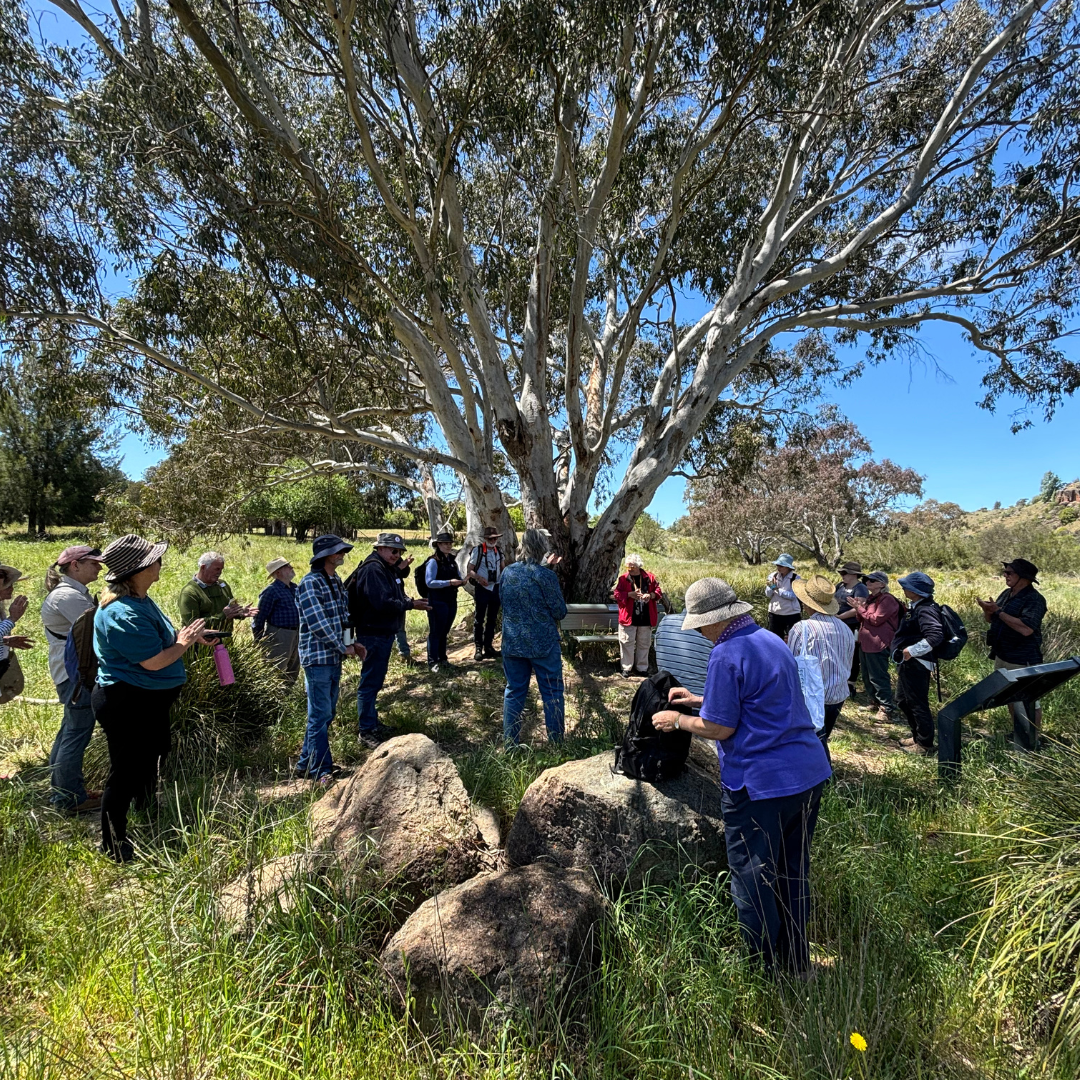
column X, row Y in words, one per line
column 943, row 925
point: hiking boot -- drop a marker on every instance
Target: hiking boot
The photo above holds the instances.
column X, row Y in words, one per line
column 882, row 716
column 91, row 804
column 909, row 741
column 382, row 732
column 370, row 739
column 492, row 654
column 918, row 749
column 627, row 673
column 478, row 653
column 123, row 852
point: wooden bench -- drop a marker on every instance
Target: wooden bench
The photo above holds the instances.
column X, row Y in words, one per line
column 589, row 624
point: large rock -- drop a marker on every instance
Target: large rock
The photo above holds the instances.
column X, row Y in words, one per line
column 407, row 816
column 519, row 937
column 261, row 891
column 582, row 815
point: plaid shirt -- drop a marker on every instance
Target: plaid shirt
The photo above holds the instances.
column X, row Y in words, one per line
column 324, row 614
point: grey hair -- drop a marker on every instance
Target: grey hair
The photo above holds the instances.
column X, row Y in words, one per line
column 634, row 560
column 207, row 558
column 535, row 544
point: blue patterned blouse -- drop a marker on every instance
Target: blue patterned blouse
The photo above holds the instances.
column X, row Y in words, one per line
column 532, row 605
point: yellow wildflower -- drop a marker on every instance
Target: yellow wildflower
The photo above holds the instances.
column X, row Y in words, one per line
column 858, row 1042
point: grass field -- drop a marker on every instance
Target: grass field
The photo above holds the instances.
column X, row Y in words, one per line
column 945, row 923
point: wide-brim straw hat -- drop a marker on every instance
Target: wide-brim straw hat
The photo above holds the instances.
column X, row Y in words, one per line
column 9, row 575
column 817, row 592
column 712, row 600
column 129, row 554
column 274, row 565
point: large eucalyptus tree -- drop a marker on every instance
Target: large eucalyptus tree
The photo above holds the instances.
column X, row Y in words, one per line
column 459, row 232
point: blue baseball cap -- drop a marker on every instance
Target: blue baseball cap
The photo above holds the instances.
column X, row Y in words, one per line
column 919, row 583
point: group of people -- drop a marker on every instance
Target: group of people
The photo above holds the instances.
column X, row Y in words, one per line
column 857, row 623
column 743, row 685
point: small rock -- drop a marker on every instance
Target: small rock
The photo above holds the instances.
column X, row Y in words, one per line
column 405, row 813
column 581, row 815
column 519, row 937
column 256, row 891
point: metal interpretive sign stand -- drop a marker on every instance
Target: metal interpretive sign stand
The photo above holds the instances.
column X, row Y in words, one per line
column 999, row 688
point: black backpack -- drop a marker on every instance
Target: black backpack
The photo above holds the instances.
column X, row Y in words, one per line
column 419, row 576
column 648, row 754
column 956, row 634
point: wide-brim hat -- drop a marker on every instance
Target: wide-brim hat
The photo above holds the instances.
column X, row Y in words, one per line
column 388, row 539
column 9, row 575
column 129, row 554
column 442, row 538
column 712, row 600
column 274, row 565
column 919, row 583
column 1023, row 568
column 491, row 533
column 877, row 575
column 328, row 544
column 851, row 568
column 817, row 592
column 785, row 560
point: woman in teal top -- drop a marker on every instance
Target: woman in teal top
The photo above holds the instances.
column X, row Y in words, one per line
column 140, row 673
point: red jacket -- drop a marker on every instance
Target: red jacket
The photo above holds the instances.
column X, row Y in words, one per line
column 626, row 603
column 878, row 623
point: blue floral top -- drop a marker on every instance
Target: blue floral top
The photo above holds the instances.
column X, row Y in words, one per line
column 532, row 605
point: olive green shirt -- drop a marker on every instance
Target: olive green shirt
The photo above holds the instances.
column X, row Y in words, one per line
column 205, row 602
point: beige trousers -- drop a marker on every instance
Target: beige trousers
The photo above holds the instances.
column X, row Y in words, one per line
column 634, row 642
column 283, row 648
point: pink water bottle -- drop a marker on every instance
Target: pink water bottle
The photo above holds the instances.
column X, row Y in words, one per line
column 224, row 665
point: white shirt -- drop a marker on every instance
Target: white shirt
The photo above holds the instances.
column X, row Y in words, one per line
column 59, row 610
column 682, row 653
column 487, row 562
column 782, row 600
column 832, row 642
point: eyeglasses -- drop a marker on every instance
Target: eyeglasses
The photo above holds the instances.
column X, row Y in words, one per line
column 396, row 551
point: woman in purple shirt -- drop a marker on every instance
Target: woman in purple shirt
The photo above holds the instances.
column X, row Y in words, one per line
column 772, row 769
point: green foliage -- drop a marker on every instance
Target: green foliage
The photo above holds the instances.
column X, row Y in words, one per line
column 50, row 472
column 322, row 503
column 1049, row 486
column 212, row 722
column 1068, row 514
column 647, row 535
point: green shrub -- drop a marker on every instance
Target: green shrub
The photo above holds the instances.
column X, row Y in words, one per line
column 211, row 721
column 1068, row 514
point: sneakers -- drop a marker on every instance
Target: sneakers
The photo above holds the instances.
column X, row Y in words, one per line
column 91, row 804
column 909, row 741
column 478, row 653
column 379, row 734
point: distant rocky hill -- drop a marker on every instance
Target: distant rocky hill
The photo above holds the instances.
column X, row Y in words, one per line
column 1061, row 514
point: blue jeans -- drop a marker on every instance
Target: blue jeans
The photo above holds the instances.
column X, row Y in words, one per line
column 66, row 759
column 323, row 682
column 372, row 677
column 403, row 644
column 548, row 670
column 768, row 849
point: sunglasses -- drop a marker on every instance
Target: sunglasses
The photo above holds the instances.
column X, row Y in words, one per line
column 396, row 551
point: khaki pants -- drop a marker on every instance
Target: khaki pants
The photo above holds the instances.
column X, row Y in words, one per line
column 1026, row 715
column 634, row 642
column 283, row 648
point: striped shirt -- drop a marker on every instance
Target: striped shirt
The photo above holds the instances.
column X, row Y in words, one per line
column 682, row 653
column 832, row 642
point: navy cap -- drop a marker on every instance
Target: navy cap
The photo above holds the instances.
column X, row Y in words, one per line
column 324, row 546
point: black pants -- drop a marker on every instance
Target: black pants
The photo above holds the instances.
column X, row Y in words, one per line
column 781, row 624
column 913, row 700
column 136, row 726
column 856, row 656
column 768, row 849
column 487, row 616
column 440, row 619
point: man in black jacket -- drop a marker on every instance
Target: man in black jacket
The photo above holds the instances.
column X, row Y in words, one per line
column 377, row 606
column 1015, row 640
column 919, row 635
